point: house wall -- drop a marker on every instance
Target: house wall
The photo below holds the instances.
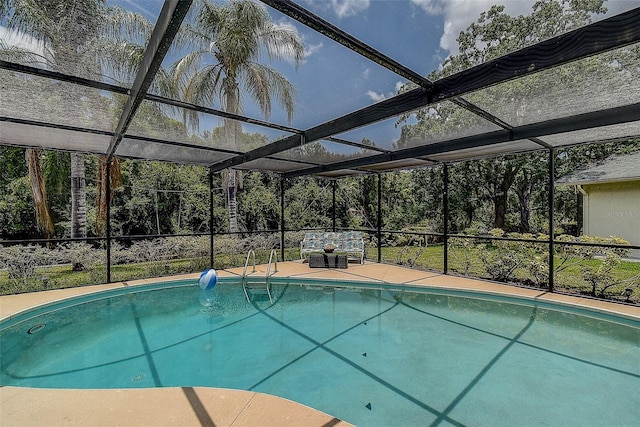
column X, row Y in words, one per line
column 613, row 209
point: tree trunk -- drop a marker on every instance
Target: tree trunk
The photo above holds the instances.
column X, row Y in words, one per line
column 39, row 193
column 231, row 201
column 78, row 197
column 500, row 210
column 524, row 197
column 500, row 197
column 231, row 130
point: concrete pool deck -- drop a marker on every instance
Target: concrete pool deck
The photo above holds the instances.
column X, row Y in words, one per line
column 187, row 406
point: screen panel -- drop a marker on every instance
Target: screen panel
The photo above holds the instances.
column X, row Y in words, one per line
column 591, row 84
column 605, row 133
column 510, row 147
column 150, row 150
column 49, row 101
column 26, row 135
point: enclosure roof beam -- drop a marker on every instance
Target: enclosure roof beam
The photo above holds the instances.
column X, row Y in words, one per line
column 164, row 32
column 612, row 116
column 617, row 31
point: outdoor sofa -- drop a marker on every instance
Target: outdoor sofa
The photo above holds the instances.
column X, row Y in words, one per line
column 350, row 243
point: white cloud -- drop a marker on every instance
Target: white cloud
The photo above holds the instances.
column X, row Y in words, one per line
column 432, row 7
column 459, row 14
column 375, row 96
column 366, row 73
column 310, row 49
column 345, row 8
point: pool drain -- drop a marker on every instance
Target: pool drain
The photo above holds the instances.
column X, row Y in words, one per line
column 138, row 378
column 35, row 329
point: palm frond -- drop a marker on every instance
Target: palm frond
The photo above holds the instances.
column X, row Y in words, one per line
column 119, row 60
column 259, row 79
column 20, row 54
column 121, row 24
column 282, row 42
column 204, row 87
column 192, row 38
column 183, row 69
column 201, row 89
column 255, row 80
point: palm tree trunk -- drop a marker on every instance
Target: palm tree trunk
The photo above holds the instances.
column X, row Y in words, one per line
column 102, row 198
column 78, row 197
column 231, row 130
column 231, row 201
column 39, row 193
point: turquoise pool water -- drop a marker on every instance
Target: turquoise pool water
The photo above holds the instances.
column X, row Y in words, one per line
column 383, row 356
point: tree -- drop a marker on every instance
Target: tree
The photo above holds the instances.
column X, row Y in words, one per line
column 63, row 28
column 82, row 38
column 229, row 40
column 518, row 102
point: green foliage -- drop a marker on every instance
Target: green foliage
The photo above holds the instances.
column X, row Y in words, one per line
column 161, row 198
column 17, row 215
column 308, row 204
column 259, row 205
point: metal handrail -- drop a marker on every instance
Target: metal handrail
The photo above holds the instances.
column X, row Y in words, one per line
column 246, row 263
column 272, row 256
column 267, row 274
column 273, row 252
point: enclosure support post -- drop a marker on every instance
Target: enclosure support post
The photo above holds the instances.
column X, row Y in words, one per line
column 282, row 182
column 107, row 177
column 211, row 217
column 551, row 215
column 333, row 210
column 379, row 224
column 445, row 218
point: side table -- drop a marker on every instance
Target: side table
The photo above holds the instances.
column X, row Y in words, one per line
column 328, row 260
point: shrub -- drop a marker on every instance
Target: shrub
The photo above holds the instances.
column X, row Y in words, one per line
column 21, row 262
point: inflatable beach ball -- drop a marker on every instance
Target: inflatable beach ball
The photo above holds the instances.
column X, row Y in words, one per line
column 208, row 279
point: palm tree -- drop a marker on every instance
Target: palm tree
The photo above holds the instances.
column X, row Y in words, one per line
column 62, row 28
column 78, row 37
column 229, row 40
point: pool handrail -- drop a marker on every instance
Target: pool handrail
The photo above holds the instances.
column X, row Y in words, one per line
column 268, row 274
column 271, row 257
column 246, row 263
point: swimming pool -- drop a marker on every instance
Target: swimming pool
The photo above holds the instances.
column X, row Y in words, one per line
column 383, row 355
